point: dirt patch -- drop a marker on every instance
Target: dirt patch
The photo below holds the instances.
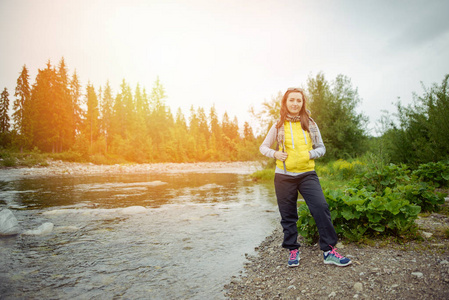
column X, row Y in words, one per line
column 415, row 270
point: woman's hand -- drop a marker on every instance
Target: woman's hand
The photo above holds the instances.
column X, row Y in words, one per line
column 282, row 156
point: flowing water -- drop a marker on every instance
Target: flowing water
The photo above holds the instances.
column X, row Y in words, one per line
column 144, row 236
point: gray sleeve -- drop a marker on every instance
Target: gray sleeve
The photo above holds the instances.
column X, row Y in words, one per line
column 318, row 148
column 270, row 139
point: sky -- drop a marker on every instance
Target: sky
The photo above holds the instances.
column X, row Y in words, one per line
column 232, row 54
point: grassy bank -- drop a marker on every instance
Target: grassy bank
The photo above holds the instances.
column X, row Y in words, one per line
column 15, row 159
column 12, row 159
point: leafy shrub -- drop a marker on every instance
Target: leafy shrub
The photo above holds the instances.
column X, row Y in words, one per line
column 377, row 180
column 27, row 159
column 399, row 179
column 306, row 224
column 356, row 213
column 383, row 200
column 8, row 160
column 436, row 173
column 422, row 194
column 34, row 159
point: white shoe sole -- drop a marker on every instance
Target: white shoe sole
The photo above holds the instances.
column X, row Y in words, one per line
column 291, row 266
column 334, row 263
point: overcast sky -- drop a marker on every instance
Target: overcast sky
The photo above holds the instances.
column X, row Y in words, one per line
column 233, row 53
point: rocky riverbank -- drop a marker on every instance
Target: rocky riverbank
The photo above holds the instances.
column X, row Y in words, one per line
column 61, row 168
column 414, row 270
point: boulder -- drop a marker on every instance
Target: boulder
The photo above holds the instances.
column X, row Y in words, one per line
column 8, row 223
column 45, row 228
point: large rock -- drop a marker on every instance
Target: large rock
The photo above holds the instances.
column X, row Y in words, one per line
column 44, row 229
column 8, row 223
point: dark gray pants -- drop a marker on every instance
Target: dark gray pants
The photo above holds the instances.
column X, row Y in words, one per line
column 308, row 185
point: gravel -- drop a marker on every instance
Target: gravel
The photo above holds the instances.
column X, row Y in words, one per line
column 413, row 270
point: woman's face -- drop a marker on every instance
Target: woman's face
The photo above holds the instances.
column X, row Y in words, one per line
column 294, row 103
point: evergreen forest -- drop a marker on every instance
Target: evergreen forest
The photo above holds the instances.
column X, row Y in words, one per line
column 57, row 115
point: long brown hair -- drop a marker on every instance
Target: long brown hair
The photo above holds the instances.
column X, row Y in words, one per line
column 303, row 113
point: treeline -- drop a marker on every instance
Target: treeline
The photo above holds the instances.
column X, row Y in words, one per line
column 55, row 114
column 417, row 133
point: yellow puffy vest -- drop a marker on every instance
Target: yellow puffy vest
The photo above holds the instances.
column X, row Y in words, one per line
column 298, row 159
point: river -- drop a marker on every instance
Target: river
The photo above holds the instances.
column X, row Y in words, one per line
column 131, row 236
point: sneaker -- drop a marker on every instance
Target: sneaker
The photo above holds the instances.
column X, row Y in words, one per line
column 293, row 260
column 333, row 257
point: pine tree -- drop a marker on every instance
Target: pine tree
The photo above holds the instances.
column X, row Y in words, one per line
column 92, row 115
column 159, row 121
column 118, row 128
column 107, row 114
column 140, row 126
column 76, row 116
column 179, row 138
column 230, row 129
column 248, row 132
column 66, row 134
column 234, row 130
column 145, row 104
column 43, row 111
column 203, row 134
column 4, row 117
column 139, row 100
column 215, row 144
column 180, row 119
column 21, row 110
column 157, row 97
column 248, row 146
column 192, row 149
column 129, row 108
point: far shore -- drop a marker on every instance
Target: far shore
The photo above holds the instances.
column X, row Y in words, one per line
column 61, row 168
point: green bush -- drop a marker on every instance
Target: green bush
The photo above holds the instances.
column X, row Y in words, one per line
column 8, row 160
column 306, row 224
column 26, row 159
column 422, row 194
column 378, row 179
column 357, row 213
column 400, row 180
column 382, row 200
column 436, row 173
column 34, row 159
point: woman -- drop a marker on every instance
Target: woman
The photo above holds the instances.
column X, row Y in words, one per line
column 300, row 142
